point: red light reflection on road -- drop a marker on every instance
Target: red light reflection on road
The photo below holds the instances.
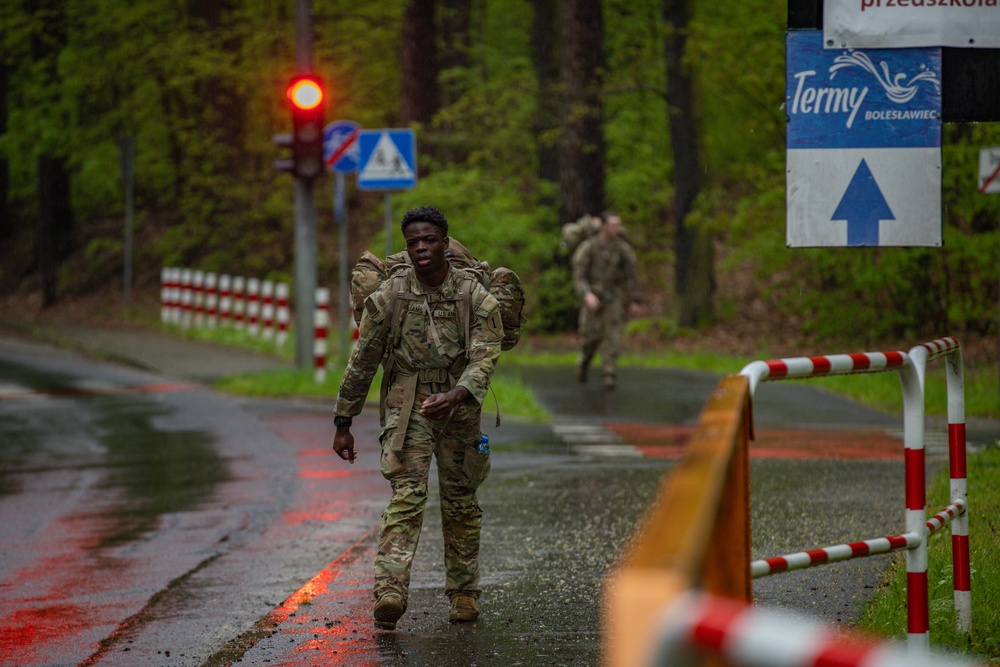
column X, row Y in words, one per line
column 670, row 441
column 295, row 518
column 25, row 631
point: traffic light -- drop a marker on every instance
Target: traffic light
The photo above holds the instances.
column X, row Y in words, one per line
column 305, row 96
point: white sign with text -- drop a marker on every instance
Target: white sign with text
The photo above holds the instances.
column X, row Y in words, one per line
column 860, row 24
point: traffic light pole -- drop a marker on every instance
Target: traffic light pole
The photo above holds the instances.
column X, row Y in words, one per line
column 305, row 271
column 305, row 216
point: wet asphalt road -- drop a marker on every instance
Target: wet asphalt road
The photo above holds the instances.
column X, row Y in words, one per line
column 148, row 521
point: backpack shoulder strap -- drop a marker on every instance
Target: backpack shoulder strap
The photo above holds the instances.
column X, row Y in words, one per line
column 392, row 331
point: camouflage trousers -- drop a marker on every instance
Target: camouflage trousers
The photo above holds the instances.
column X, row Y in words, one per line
column 602, row 331
column 461, row 469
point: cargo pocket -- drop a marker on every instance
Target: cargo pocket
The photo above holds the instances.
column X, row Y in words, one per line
column 476, row 465
column 389, row 462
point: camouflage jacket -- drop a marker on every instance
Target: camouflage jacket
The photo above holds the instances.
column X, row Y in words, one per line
column 431, row 340
column 609, row 270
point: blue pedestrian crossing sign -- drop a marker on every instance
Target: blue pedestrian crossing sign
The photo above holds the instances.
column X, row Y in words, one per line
column 863, row 161
column 387, row 160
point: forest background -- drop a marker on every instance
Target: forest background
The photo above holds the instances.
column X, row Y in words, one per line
column 528, row 113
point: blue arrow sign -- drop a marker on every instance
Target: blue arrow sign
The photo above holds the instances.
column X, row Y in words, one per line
column 863, row 206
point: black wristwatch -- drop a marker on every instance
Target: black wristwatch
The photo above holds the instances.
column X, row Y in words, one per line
column 339, row 421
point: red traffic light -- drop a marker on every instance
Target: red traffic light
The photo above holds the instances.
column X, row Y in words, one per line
column 305, row 93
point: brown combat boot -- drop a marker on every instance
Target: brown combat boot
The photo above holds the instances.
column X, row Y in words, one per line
column 463, row 608
column 388, row 609
column 610, row 382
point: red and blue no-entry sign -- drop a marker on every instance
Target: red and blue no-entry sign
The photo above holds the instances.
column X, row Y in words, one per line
column 340, row 146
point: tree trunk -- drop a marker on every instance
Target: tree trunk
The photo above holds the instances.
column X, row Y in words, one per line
column 581, row 146
column 55, row 223
column 456, row 44
column 545, row 55
column 419, row 66
column 6, row 224
column 694, row 273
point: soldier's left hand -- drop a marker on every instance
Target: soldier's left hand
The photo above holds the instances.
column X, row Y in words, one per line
column 634, row 310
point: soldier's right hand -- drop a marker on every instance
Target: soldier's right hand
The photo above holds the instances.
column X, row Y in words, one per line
column 343, row 444
column 591, row 300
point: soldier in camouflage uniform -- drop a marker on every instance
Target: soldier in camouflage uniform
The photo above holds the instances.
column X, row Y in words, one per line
column 606, row 278
column 437, row 382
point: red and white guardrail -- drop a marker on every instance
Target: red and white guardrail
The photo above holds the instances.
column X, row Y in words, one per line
column 912, row 368
column 193, row 298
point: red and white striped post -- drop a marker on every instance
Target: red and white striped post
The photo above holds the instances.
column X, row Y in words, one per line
column 961, row 567
column 239, row 302
column 211, row 300
column 267, row 309
column 198, row 285
column 253, row 306
column 225, row 299
column 283, row 313
column 187, row 298
column 166, row 275
column 321, row 325
column 176, row 305
column 912, row 367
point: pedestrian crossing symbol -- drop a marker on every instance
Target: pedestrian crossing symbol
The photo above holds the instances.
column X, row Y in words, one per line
column 387, row 160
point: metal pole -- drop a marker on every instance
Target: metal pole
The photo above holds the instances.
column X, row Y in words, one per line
column 305, row 272
column 388, row 225
column 340, row 217
column 305, row 216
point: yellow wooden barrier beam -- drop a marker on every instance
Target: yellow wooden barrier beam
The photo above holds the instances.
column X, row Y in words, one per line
column 696, row 533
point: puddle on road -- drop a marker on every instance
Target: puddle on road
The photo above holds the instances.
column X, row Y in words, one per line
column 159, row 471
column 152, row 470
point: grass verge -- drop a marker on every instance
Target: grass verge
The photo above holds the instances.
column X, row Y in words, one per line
column 886, row 615
column 515, row 399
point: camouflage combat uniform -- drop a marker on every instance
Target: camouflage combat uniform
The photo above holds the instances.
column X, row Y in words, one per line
column 610, row 271
column 430, row 358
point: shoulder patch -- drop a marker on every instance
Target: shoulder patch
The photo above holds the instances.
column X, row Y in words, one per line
column 376, row 305
column 484, row 303
column 493, row 323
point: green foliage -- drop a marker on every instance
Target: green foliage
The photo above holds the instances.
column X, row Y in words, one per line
column 200, row 86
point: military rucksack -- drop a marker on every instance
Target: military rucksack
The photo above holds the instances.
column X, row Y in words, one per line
column 502, row 283
column 576, row 232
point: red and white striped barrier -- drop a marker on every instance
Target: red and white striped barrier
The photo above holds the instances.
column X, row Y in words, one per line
column 225, row 299
column 211, row 300
column 239, row 302
column 190, row 297
column 198, row 298
column 881, row 545
column 187, row 298
column 283, row 314
column 912, row 368
column 253, row 306
column 321, row 325
column 166, row 289
column 695, row 625
column 267, row 309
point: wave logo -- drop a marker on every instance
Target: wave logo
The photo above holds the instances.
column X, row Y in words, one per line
column 899, row 88
column 896, row 87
